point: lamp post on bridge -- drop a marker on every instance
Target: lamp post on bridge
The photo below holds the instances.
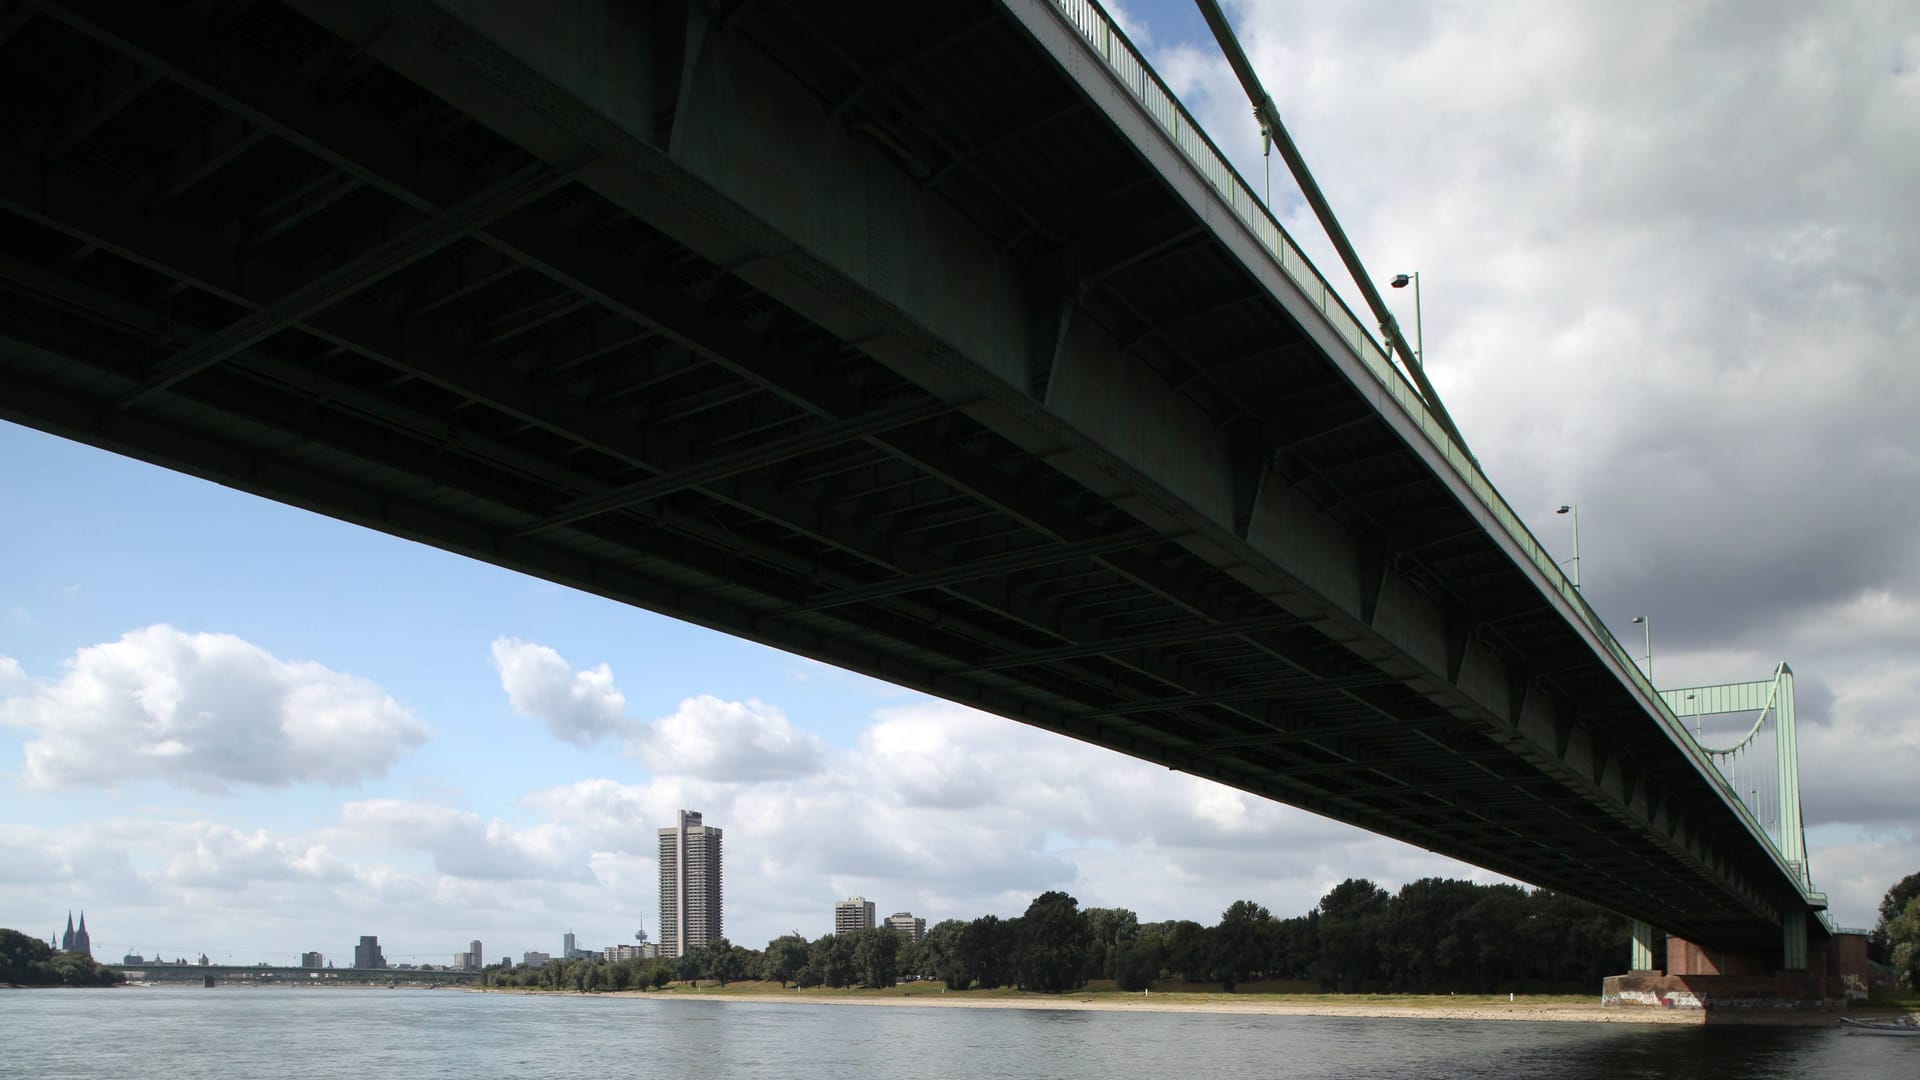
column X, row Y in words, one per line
column 1419, row 335
column 1646, row 630
column 1573, row 511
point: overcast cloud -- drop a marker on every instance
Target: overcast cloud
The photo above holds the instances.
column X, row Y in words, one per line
column 1667, row 255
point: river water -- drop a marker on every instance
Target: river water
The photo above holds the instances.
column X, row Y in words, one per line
column 417, row 1034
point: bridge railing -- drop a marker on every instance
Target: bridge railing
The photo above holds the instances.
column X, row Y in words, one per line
column 1131, row 69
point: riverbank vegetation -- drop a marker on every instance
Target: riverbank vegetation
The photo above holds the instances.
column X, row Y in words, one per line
column 28, row 961
column 1434, row 936
column 1896, row 939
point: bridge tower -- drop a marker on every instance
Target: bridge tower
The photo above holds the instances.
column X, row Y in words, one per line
column 1762, row 775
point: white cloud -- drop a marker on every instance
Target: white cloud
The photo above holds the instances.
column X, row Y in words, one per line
column 204, row 711
column 713, row 739
column 581, row 707
column 464, row 845
column 1054, row 813
column 222, row 857
column 952, row 813
column 706, row 737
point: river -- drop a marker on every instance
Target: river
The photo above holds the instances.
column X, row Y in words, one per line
column 416, row 1034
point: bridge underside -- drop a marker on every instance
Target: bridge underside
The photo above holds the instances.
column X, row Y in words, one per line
column 859, row 329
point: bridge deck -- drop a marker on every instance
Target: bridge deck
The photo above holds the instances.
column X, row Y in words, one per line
column 880, row 333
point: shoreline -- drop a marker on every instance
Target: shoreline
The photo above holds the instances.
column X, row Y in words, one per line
column 1435, row 1009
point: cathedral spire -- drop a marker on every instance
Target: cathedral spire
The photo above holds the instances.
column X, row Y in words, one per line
column 66, row 939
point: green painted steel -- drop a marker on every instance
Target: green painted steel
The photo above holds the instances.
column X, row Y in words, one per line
column 1793, row 839
column 1710, row 700
column 1772, row 699
column 1642, row 946
column 1793, row 942
column 1133, row 72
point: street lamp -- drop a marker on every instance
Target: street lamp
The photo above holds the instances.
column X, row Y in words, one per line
column 1574, row 512
column 1646, row 630
column 1419, row 338
column 1696, row 718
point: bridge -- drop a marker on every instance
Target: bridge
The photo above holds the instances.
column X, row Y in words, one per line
column 265, row 974
column 936, row 342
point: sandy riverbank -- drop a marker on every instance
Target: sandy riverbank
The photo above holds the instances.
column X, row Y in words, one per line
column 1436, row 1008
column 1172, row 1003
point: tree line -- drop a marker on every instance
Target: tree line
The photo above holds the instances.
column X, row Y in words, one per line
column 1895, row 940
column 1432, row 936
column 28, row 961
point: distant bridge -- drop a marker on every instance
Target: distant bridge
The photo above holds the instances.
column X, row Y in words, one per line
column 932, row 341
column 264, row 973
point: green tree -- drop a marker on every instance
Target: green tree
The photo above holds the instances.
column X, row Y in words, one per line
column 1243, row 943
column 1568, row 943
column 1189, row 951
column 984, row 952
column 28, row 961
column 1498, row 950
column 1891, row 906
column 829, row 962
column 719, row 960
column 25, row 961
column 1423, row 942
column 1297, row 946
column 1903, row 935
column 1052, row 944
column 783, row 959
column 1137, row 963
column 79, row 969
column 1351, row 917
column 1110, row 930
column 875, row 956
column 940, row 955
column 910, row 959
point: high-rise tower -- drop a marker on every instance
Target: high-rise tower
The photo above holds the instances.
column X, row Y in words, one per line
column 689, row 885
column 852, row 914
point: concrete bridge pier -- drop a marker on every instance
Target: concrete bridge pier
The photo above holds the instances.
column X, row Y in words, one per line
column 1811, row 970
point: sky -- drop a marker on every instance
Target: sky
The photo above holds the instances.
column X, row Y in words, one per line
column 1668, row 274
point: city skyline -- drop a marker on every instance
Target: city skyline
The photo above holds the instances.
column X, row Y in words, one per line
column 1696, row 339
column 369, row 947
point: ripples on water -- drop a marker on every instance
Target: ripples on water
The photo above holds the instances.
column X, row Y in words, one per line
column 415, row 1034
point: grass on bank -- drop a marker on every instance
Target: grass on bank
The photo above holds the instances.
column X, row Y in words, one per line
column 1895, row 998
